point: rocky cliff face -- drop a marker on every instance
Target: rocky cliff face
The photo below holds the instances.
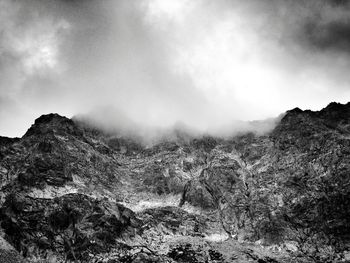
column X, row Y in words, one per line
column 70, row 192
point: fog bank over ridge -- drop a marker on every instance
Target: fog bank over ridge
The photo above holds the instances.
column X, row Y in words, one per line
column 159, row 64
column 116, row 123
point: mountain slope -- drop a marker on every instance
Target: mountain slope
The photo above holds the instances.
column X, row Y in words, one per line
column 71, row 191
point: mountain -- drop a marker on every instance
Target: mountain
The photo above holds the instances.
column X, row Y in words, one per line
column 71, row 192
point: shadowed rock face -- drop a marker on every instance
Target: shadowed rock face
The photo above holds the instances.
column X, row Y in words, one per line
column 5, row 141
column 72, row 224
column 68, row 191
column 8, row 254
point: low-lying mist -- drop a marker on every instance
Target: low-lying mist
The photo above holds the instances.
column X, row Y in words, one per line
column 114, row 123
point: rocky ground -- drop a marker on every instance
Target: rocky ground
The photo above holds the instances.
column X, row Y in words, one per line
column 72, row 193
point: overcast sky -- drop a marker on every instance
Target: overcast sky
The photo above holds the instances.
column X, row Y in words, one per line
column 203, row 63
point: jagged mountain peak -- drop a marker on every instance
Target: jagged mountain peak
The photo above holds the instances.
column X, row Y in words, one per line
column 51, row 117
column 333, row 109
column 53, row 123
column 337, row 106
column 336, row 112
column 296, row 110
column 334, row 116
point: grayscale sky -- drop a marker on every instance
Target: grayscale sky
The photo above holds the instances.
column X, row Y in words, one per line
column 203, row 63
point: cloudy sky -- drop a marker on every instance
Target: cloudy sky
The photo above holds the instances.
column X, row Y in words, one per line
column 204, row 63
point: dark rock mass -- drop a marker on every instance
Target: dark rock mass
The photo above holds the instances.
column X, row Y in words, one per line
column 72, row 193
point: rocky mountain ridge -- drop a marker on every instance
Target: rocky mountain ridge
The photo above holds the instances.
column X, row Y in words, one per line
column 72, row 192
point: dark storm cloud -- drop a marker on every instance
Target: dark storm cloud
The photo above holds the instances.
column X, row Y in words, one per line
column 334, row 35
column 325, row 26
column 319, row 24
column 341, row 3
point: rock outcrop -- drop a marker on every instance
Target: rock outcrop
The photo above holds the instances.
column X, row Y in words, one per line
column 73, row 225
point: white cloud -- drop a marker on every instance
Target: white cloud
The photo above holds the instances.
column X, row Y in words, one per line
column 200, row 62
column 39, row 46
